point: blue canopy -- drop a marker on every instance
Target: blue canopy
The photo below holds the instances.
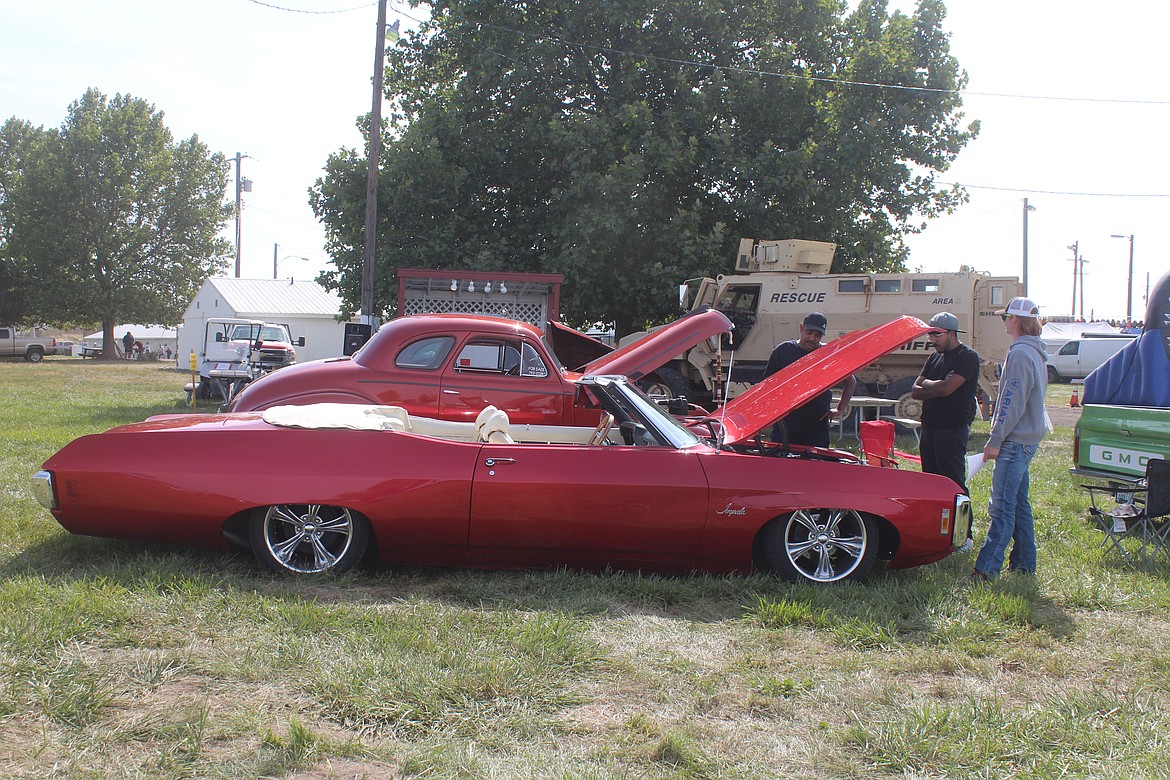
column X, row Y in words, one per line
column 1139, row 375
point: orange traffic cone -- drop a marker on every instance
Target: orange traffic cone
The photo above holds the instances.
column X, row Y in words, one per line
column 1075, row 400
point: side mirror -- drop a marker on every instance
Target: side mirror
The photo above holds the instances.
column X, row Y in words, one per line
column 301, row 341
column 220, row 338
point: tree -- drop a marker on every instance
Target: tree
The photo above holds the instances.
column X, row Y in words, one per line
column 121, row 218
column 17, row 289
column 630, row 144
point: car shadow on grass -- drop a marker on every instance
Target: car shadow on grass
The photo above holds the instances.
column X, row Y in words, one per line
column 905, row 607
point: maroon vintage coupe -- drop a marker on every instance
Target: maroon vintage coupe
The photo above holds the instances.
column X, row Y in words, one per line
column 451, row 366
column 316, row 488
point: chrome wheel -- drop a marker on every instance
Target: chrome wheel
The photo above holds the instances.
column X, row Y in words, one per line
column 821, row 545
column 308, row 538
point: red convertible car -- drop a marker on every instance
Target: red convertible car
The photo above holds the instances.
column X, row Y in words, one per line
column 316, row 488
column 451, row 366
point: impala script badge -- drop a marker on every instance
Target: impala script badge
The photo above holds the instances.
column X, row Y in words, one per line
column 727, row 510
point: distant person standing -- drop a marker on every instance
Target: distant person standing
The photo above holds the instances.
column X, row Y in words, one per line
column 808, row 424
column 128, row 345
column 1020, row 423
column 947, row 388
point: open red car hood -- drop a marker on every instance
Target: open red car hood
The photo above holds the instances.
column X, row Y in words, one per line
column 573, row 347
column 658, row 347
column 772, row 399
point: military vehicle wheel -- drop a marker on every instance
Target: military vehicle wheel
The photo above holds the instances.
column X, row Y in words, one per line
column 665, row 383
column 905, row 406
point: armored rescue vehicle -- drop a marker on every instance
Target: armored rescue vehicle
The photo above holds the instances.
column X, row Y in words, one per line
column 777, row 283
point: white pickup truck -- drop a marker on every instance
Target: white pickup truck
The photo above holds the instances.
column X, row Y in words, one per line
column 236, row 351
column 30, row 347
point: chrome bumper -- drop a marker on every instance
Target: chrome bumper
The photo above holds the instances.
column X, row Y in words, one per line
column 963, row 519
column 42, row 487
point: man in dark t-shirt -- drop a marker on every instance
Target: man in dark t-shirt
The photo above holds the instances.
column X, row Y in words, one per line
column 947, row 388
column 808, row 424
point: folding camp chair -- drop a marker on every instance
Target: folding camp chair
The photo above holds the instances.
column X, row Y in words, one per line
column 877, row 444
column 1158, row 508
column 1137, row 526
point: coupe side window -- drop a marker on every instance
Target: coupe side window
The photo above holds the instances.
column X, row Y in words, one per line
column 426, row 353
column 532, row 364
column 489, row 357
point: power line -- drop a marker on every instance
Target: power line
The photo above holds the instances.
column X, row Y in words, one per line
column 824, row 80
column 303, row 11
column 1058, row 192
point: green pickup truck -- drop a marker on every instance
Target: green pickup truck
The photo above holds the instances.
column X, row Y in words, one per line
column 1125, row 422
column 1116, row 442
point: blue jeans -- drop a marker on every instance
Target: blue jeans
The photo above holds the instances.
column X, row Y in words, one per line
column 1011, row 513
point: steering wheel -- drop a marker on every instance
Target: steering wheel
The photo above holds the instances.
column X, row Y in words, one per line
column 780, row 451
column 602, row 430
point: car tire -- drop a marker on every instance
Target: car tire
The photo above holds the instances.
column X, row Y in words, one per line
column 666, row 382
column 34, row 355
column 819, row 546
column 1054, row 376
column 308, row 538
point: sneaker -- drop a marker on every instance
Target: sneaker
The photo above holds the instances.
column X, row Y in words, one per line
column 966, row 547
column 977, row 577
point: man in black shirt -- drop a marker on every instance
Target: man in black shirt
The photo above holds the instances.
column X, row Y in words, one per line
column 946, row 388
column 808, row 424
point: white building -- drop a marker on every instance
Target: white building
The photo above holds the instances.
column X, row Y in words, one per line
column 306, row 307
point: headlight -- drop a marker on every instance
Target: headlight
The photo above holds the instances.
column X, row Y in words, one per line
column 43, row 489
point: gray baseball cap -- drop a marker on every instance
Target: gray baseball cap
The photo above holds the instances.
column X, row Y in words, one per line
column 944, row 320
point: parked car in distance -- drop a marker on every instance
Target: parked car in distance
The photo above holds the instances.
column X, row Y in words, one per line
column 29, row 346
column 451, row 366
column 311, row 489
column 1077, row 358
column 272, row 341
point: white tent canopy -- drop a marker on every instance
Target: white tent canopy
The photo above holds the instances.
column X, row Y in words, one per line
column 1056, row 334
column 157, row 337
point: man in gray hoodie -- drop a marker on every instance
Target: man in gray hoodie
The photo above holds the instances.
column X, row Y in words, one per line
column 1019, row 424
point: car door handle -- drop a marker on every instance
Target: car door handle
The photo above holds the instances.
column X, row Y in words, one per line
column 451, row 392
column 491, row 462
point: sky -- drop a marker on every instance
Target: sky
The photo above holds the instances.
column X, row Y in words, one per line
column 1071, row 96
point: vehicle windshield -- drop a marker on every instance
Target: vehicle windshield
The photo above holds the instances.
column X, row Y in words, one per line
column 629, row 404
column 560, row 365
column 267, row 333
column 273, row 333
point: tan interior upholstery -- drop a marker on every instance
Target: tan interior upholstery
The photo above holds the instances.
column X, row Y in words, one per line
column 494, row 428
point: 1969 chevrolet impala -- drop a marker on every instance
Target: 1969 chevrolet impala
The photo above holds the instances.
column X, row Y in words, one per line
column 316, row 488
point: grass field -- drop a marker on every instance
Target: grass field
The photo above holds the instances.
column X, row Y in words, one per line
column 123, row 660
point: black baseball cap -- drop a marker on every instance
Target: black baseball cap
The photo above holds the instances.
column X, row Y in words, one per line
column 815, row 321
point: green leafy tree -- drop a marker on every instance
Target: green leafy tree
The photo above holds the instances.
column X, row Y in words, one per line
column 116, row 220
column 629, row 144
column 18, row 289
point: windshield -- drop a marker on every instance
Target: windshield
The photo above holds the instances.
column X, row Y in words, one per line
column 627, row 403
column 267, row 333
column 560, row 366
